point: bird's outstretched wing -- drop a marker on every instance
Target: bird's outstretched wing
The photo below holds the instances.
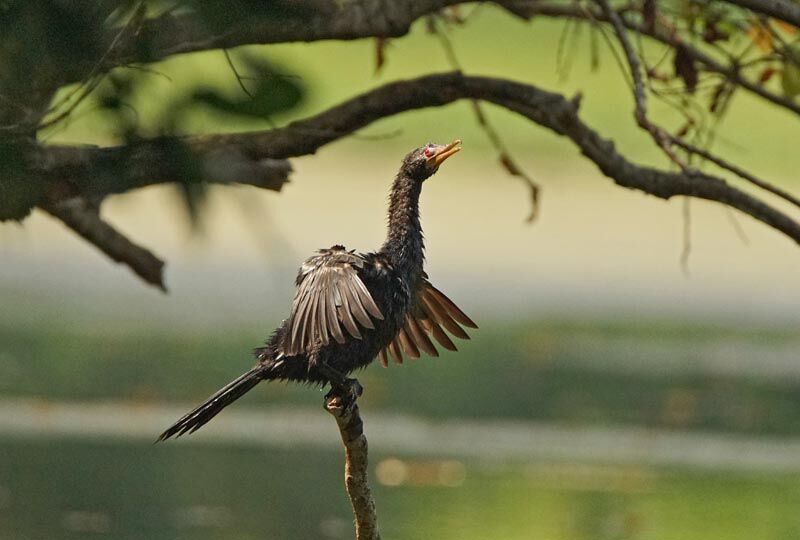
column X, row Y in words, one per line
column 432, row 312
column 330, row 300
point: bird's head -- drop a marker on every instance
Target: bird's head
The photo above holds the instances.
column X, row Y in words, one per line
column 422, row 162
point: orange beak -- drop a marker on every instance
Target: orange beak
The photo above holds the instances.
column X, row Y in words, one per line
column 443, row 152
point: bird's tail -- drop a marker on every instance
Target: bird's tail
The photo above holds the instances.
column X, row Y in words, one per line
column 214, row 405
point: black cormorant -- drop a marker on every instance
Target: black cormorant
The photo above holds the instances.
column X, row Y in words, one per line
column 350, row 308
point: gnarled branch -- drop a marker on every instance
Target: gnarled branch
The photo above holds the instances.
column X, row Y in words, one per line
column 547, row 109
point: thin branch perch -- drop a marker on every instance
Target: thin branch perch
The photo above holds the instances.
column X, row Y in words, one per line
column 351, row 428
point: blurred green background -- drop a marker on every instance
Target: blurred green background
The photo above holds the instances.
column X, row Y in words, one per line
column 631, row 400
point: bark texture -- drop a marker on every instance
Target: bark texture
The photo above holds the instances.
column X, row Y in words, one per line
column 351, row 428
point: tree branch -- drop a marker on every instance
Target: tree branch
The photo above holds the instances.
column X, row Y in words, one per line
column 314, row 20
column 286, row 21
column 351, row 428
column 527, row 9
column 659, row 135
column 97, row 172
column 547, row 109
column 779, row 9
column 84, row 218
column 662, row 138
column 738, row 171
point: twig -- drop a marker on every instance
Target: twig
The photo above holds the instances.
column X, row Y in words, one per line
column 351, row 428
column 659, row 135
column 503, row 154
column 84, row 218
column 529, row 9
column 562, row 67
column 236, row 74
column 95, row 75
column 614, row 53
column 737, row 226
column 686, row 251
column 738, row 171
column 666, row 140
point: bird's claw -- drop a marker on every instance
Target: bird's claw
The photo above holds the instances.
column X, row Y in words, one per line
column 347, row 391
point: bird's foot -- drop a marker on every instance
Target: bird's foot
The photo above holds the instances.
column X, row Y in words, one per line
column 346, row 392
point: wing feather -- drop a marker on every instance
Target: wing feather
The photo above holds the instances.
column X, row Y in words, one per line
column 406, row 344
column 451, row 308
column 355, row 305
column 295, row 325
column 442, row 316
column 324, row 327
column 394, row 350
column 315, row 313
column 432, row 311
column 366, row 299
column 346, row 313
column 439, row 335
column 333, row 317
column 330, row 294
column 302, row 322
column 420, row 338
column 384, row 359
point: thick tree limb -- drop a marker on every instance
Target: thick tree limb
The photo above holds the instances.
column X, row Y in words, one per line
column 49, row 176
column 351, row 428
column 315, row 20
column 73, row 173
column 547, row 109
column 97, row 172
column 84, row 218
column 289, row 21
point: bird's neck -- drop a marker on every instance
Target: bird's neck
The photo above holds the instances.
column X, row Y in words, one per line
column 404, row 244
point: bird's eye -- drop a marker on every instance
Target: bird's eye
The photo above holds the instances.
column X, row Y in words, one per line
column 429, row 150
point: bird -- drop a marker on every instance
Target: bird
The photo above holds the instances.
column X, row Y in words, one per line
column 350, row 308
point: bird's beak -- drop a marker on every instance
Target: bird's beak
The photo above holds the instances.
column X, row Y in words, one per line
column 443, row 152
